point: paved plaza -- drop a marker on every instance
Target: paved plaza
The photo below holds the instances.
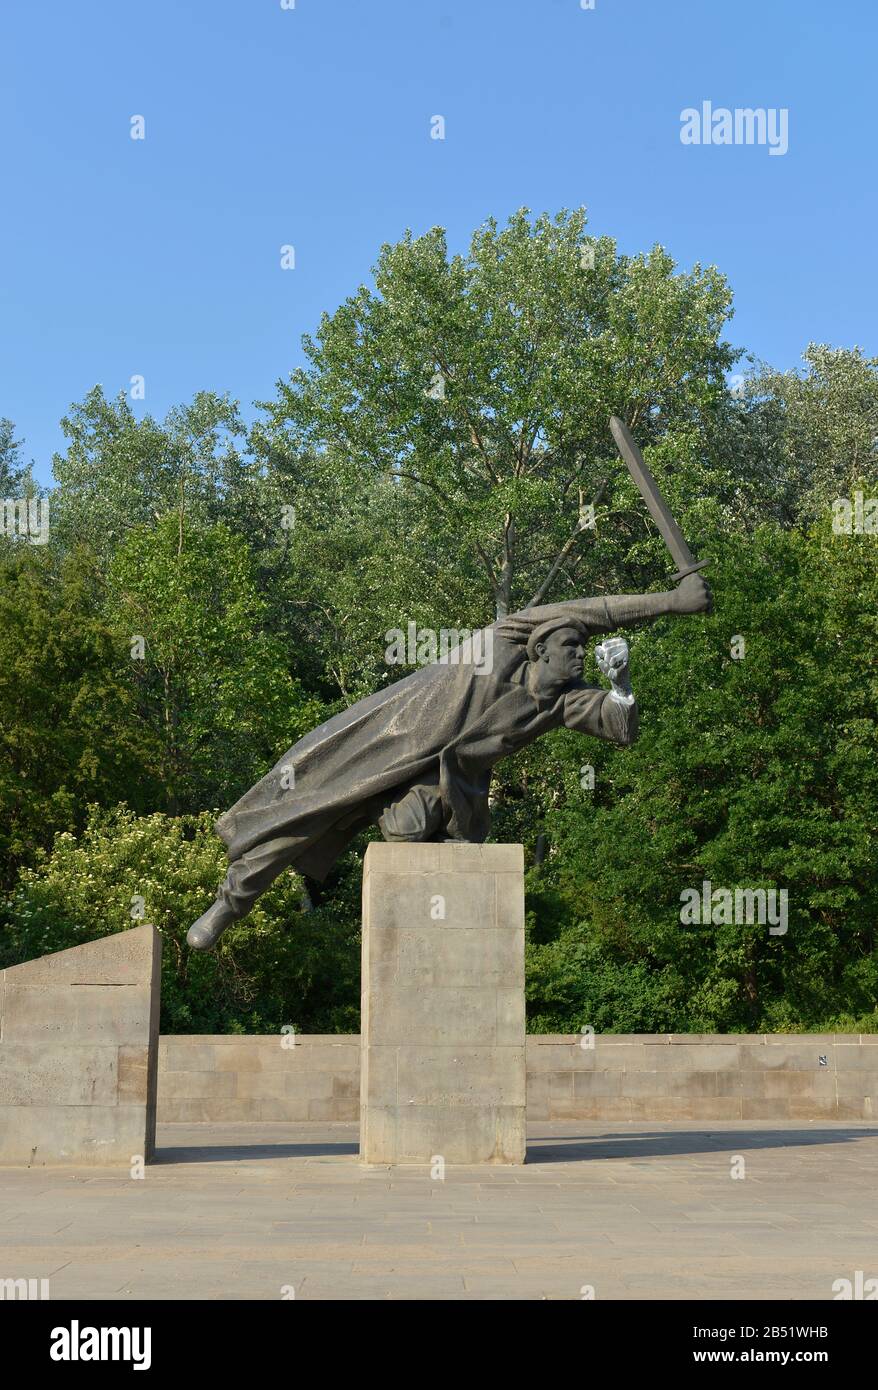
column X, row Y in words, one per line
column 630, row 1210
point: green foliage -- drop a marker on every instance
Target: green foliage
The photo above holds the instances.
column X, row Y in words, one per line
column 282, row 967
column 13, row 473
column 68, row 727
column 812, row 434
column 120, row 472
column 212, row 684
column 759, row 772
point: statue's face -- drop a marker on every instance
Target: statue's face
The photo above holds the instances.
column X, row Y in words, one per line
column 563, row 654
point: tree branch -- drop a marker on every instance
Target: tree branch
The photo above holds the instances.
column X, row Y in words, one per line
column 492, row 575
column 566, row 548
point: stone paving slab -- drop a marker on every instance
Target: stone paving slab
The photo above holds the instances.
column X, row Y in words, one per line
column 632, row 1210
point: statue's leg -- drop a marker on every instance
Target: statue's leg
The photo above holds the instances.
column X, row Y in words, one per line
column 416, row 816
column 246, row 878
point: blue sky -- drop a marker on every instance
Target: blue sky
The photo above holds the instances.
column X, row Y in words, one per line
column 311, row 127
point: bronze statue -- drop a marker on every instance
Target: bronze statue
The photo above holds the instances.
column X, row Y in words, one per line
column 416, row 758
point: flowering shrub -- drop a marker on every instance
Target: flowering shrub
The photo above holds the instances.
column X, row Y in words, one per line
column 283, row 965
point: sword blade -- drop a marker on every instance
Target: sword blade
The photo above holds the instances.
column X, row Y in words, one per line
column 658, row 508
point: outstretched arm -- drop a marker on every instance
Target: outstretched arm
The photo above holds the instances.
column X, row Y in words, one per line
column 616, row 610
column 690, row 596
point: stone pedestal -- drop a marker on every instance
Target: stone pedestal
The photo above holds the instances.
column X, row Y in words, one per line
column 443, row 1031
column 79, row 1052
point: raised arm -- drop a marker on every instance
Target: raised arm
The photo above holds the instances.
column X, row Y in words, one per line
column 608, row 614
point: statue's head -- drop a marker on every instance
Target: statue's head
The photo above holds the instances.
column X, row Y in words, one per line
column 557, row 649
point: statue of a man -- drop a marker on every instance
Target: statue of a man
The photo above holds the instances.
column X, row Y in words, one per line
column 416, row 758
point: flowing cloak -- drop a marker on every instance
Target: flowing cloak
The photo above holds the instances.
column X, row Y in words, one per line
column 447, row 724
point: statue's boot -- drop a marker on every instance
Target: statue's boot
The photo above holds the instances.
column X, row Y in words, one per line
column 206, row 932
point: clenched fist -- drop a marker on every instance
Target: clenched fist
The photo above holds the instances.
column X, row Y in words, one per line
column 612, row 659
column 693, row 595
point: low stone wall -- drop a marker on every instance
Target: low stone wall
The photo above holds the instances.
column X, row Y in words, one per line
column 229, row 1078
column 691, row 1076
column 78, row 1052
column 683, row 1076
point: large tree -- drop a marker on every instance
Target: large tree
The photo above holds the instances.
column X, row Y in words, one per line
column 480, row 387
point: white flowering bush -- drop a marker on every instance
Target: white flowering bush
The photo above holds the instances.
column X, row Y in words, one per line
column 281, row 966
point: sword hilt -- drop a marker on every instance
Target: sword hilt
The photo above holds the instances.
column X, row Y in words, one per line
column 690, row 569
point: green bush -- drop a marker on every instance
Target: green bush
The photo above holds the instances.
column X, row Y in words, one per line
column 281, row 966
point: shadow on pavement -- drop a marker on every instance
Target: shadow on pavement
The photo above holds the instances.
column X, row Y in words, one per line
column 243, row 1153
column 576, row 1148
column 660, row 1144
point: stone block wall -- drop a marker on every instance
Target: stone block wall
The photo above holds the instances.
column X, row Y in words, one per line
column 624, row 1076
column 687, row 1076
column 232, row 1078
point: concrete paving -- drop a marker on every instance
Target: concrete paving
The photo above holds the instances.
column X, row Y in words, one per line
column 626, row 1209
